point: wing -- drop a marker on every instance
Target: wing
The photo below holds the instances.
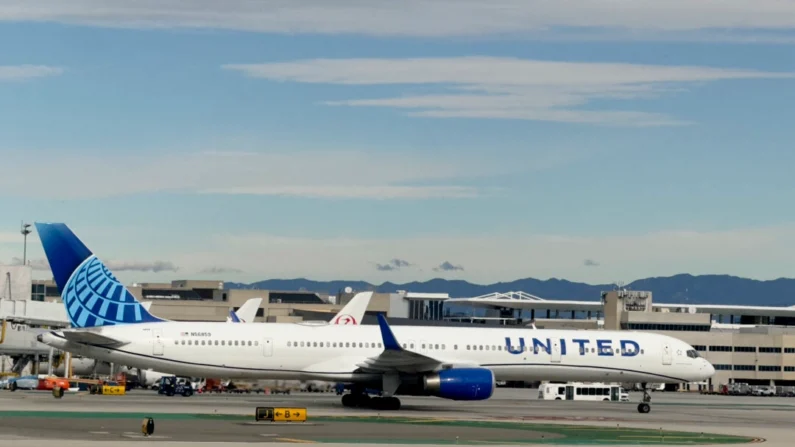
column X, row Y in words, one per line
column 395, row 358
column 92, row 338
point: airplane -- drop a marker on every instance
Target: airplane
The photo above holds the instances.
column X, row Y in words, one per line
column 457, row 363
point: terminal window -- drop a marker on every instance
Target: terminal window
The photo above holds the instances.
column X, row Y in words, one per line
column 744, row 367
column 769, row 368
column 770, row 350
column 789, row 350
column 720, row 348
column 701, row 348
column 723, row 367
column 789, row 368
column 745, row 349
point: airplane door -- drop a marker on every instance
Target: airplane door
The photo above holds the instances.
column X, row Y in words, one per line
column 267, row 347
column 667, row 357
column 555, row 354
column 157, row 341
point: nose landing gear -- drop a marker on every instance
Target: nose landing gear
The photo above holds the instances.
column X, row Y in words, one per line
column 645, row 406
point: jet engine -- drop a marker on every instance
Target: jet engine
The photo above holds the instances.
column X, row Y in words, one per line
column 460, row 384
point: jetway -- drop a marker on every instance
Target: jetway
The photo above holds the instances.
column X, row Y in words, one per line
column 37, row 313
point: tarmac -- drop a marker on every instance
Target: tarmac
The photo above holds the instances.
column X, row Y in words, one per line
column 510, row 417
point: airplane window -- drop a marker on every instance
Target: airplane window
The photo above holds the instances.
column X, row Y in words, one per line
column 216, row 342
column 321, row 344
column 412, row 346
column 256, row 343
column 249, row 343
column 314, row 344
column 379, row 345
column 347, row 344
column 443, row 347
column 455, row 347
column 289, row 343
column 362, row 345
column 436, row 346
column 302, row 344
column 423, row 346
column 487, row 347
column 176, row 342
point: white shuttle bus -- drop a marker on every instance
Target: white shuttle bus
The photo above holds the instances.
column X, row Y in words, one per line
column 582, row 391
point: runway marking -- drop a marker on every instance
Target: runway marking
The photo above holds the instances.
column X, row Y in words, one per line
column 99, row 432
column 303, row 441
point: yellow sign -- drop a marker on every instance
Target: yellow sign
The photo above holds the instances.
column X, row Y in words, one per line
column 117, row 390
column 281, row 414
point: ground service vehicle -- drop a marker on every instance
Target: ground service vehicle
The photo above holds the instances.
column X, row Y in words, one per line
column 171, row 385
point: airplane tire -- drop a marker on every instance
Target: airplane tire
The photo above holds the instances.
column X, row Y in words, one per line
column 644, row 407
column 348, row 400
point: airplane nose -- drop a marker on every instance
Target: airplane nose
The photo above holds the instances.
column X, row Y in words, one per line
column 40, row 338
column 709, row 369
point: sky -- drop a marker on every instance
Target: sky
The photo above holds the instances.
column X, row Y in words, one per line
column 596, row 141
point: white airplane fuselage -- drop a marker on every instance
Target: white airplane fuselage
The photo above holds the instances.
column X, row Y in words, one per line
column 332, row 352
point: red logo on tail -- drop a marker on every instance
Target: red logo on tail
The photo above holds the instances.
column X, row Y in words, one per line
column 345, row 319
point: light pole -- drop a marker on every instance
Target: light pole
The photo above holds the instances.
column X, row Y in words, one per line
column 25, row 230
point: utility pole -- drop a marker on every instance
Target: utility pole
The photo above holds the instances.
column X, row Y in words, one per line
column 25, row 230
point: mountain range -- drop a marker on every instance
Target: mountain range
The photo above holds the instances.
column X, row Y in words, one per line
column 682, row 288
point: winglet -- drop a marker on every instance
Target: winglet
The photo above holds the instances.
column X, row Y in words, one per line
column 390, row 342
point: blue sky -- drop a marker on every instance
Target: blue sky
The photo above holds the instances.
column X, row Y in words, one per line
column 325, row 139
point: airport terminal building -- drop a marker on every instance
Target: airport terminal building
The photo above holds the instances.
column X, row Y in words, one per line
column 746, row 344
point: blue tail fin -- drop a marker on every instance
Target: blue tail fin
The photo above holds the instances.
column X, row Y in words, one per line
column 233, row 316
column 91, row 294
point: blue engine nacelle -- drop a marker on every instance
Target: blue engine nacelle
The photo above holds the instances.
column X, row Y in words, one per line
column 460, row 384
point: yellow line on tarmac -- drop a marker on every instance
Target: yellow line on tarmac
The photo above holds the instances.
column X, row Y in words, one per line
column 304, row 441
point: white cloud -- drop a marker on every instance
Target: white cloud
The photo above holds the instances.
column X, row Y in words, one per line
column 41, row 264
column 22, row 72
column 754, row 252
column 434, row 18
column 10, row 238
column 506, row 88
column 340, row 174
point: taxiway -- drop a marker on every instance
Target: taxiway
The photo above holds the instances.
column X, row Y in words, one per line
column 28, row 418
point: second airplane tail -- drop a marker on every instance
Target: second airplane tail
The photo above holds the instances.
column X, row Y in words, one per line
column 91, row 294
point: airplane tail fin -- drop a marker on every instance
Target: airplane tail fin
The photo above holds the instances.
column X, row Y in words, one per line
column 91, row 294
column 353, row 312
column 248, row 311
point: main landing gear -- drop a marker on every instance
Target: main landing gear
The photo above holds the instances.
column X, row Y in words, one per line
column 645, row 406
column 363, row 400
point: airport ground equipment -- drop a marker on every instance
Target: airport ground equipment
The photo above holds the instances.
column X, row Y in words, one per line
column 171, row 385
column 148, row 426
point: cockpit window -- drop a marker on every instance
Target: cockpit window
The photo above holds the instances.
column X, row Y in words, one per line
column 693, row 354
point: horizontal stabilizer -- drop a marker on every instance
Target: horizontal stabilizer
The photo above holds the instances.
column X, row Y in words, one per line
column 92, row 338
